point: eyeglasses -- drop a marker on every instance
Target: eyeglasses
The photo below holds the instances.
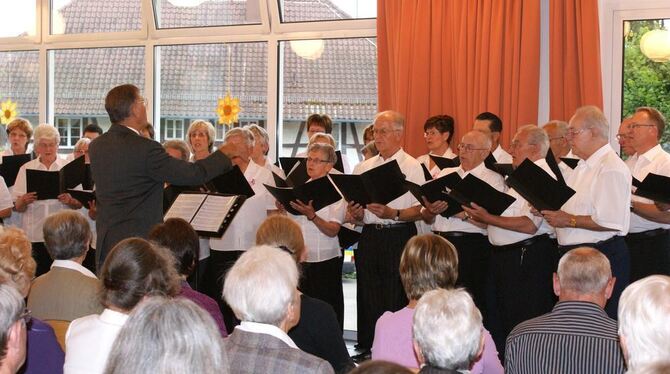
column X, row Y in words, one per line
column 634, row 126
column 574, row 132
column 469, row 148
column 621, row 137
column 556, row 138
column 317, row 160
column 431, row 133
column 383, row 132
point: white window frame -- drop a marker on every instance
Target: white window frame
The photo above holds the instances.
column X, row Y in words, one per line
column 68, row 129
column 177, row 126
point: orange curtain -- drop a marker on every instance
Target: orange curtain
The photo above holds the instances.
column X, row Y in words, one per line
column 574, row 55
column 458, row 57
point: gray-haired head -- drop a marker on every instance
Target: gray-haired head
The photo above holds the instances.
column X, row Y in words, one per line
column 246, row 134
column 261, row 285
column 322, row 137
column 170, row 336
column 584, row 271
column 67, row 235
column 180, row 146
column 644, row 321
column 325, row 149
column 11, row 309
column 593, row 118
column 80, row 143
column 536, row 136
column 260, row 135
column 46, row 132
column 448, row 329
column 396, row 118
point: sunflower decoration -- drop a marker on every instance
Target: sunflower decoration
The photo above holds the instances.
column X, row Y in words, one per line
column 8, row 112
column 228, row 108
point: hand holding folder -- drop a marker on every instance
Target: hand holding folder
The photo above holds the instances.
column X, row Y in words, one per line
column 438, row 190
column 653, row 187
column 472, row 189
column 320, row 192
column 50, row 184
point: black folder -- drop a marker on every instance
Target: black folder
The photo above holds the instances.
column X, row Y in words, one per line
column 11, row 165
column 210, row 214
column 553, row 165
column 83, row 196
column 381, row 185
column 339, row 164
column 320, row 191
column 503, row 169
column 538, row 187
column 88, row 181
column 347, row 237
column 426, row 173
column 443, row 162
column 279, row 181
column 438, row 189
column 50, row 184
column 298, row 175
column 288, row 163
column 232, row 182
column 654, row 187
column 474, row 190
column 571, row 162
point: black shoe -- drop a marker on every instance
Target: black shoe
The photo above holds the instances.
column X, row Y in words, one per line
column 361, row 357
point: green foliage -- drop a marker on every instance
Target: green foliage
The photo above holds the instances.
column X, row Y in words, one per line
column 645, row 82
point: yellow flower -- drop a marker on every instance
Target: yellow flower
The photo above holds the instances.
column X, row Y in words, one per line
column 227, row 109
column 8, row 112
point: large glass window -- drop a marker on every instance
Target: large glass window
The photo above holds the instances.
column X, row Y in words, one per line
column 18, row 19
column 337, row 77
column 198, row 13
column 321, row 10
column 82, row 78
column 194, row 77
column 19, row 74
column 88, row 16
column 646, row 68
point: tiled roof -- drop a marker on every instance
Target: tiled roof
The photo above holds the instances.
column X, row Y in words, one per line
column 342, row 82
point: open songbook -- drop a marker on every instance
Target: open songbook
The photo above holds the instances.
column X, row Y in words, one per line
column 538, row 187
column 438, row 189
column 653, row 187
column 11, row 165
column 210, row 214
column 474, row 190
column 381, row 185
column 50, row 184
column 320, row 191
column 444, row 162
column 83, row 196
column 232, row 182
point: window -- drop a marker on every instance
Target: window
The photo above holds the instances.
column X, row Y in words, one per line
column 87, row 16
column 321, row 10
column 19, row 19
column 174, row 129
column 337, row 77
column 198, row 13
column 19, row 73
column 70, row 131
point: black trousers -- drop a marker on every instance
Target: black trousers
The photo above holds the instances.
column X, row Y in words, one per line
column 522, row 279
column 323, row 281
column 219, row 264
column 649, row 253
column 378, row 284
column 617, row 253
column 42, row 258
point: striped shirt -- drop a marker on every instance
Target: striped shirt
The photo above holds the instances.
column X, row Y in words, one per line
column 575, row 337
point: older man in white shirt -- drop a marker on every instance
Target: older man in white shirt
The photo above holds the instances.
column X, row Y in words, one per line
column 598, row 215
column 648, row 238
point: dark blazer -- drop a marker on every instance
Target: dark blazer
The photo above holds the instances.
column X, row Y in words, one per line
column 129, row 172
column 261, row 353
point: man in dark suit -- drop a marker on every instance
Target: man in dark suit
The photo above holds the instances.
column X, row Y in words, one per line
column 129, row 171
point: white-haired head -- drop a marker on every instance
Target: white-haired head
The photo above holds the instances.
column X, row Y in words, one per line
column 46, row 132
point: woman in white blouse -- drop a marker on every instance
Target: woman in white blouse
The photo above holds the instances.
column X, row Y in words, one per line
column 35, row 211
column 19, row 132
column 437, row 131
column 322, row 269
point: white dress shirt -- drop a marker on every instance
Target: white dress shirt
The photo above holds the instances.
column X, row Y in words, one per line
column 5, row 196
column 501, row 156
column 656, row 161
column 413, row 173
column 89, row 340
column 68, row 264
column 435, row 170
column 263, row 328
column 241, row 234
column 603, row 189
column 456, row 224
column 520, row 208
column 321, row 247
column 33, row 218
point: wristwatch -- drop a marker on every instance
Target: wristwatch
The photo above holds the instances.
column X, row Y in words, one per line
column 397, row 215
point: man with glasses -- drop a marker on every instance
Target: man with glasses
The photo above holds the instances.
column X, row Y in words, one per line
column 598, row 215
column 491, row 125
column 648, row 238
column 467, row 235
column 623, row 138
column 13, row 330
column 386, row 229
column 557, row 131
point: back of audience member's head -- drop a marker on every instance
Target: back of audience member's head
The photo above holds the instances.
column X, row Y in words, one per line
column 67, row 235
column 178, row 236
column 428, row 262
column 170, row 336
column 644, row 321
column 380, row 367
column 584, row 271
column 658, row 368
column 133, row 269
column 262, row 286
column 448, row 329
column 180, row 146
column 12, row 339
column 17, row 265
column 282, row 232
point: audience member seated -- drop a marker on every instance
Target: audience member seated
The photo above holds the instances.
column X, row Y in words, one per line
column 380, row 367
column 17, row 269
column 164, row 335
column 261, row 288
column 318, row 331
column 133, row 269
column 448, row 331
column 69, row 290
column 182, row 241
column 577, row 336
column 428, row 262
column 644, row 323
column 12, row 330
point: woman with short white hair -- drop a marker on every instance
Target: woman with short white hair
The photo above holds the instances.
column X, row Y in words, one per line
column 447, row 331
column 261, row 149
column 35, row 211
column 165, row 335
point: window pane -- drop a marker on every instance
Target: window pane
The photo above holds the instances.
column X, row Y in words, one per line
column 319, row 10
column 87, row 16
column 194, row 77
column 19, row 73
column 18, row 18
column 646, row 76
column 341, row 82
column 82, row 78
column 197, row 13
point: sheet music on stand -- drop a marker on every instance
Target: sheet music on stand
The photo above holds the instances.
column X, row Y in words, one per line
column 210, row 214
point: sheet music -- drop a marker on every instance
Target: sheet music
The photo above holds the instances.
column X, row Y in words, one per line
column 211, row 212
column 185, row 206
